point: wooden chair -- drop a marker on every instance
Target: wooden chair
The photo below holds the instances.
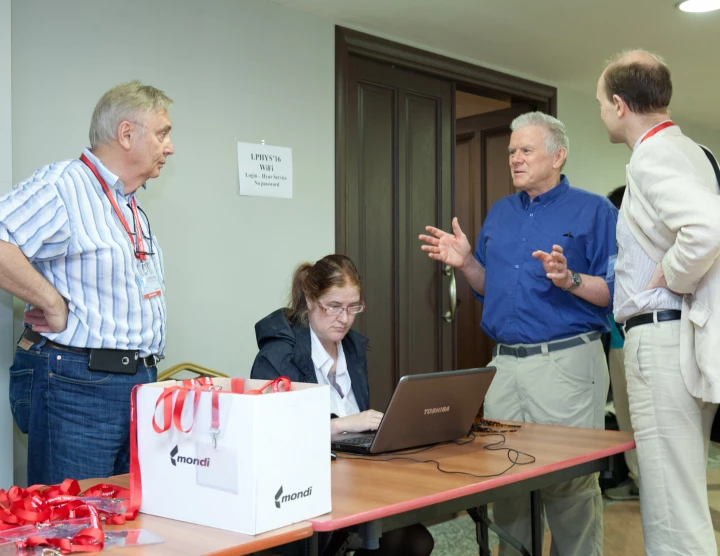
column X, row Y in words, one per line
column 167, row 374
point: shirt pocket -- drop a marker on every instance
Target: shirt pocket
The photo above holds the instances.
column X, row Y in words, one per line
column 573, row 243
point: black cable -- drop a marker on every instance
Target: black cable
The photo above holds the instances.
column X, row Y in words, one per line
column 513, row 456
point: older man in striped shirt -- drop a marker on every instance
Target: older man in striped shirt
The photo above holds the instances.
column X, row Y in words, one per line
column 78, row 249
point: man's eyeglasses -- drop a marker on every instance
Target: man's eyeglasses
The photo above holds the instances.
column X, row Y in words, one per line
column 148, row 236
column 336, row 310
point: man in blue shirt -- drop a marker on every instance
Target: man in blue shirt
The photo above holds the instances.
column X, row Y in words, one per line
column 543, row 266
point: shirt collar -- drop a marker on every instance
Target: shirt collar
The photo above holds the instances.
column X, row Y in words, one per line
column 321, row 358
column 110, row 179
column 640, row 139
column 548, row 196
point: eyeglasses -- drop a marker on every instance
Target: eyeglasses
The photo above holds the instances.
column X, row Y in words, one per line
column 334, row 311
column 147, row 236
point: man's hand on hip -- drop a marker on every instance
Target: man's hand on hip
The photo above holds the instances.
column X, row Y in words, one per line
column 658, row 279
column 18, row 277
column 53, row 319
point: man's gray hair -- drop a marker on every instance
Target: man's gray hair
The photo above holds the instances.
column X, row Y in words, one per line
column 555, row 136
column 126, row 101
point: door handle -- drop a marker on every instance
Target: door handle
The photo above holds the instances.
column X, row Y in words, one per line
column 452, row 290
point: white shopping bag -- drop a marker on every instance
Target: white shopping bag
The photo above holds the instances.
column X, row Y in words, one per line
column 207, row 452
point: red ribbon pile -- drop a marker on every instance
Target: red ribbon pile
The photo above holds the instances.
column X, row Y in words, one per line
column 42, row 505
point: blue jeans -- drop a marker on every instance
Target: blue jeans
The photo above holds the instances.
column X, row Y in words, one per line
column 77, row 420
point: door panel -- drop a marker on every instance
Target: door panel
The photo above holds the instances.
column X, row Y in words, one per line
column 375, row 202
column 398, row 148
column 482, row 177
column 468, row 209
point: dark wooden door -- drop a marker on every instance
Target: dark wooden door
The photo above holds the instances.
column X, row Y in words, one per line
column 398, row 179
column 482, row 176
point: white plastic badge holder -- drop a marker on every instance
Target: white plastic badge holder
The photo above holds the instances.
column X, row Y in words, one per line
column 223, row 475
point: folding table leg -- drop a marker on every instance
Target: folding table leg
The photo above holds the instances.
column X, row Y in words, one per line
column 538, row 531
column 480, row 517
column 483, row 523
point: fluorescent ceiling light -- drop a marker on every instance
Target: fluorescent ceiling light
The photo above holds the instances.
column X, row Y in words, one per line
column 699, row 5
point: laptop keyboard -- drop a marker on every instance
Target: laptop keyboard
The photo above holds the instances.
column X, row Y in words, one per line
column 359, row 440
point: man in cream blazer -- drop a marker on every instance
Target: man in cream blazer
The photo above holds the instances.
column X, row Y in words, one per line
column 667, row 294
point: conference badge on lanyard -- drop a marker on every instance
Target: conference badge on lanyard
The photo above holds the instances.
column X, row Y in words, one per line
column 147, row 279
column 149, row 284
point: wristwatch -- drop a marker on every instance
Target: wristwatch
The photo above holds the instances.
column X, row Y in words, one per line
column 576, row 281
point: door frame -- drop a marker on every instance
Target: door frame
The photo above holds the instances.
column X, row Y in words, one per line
column 465, row 76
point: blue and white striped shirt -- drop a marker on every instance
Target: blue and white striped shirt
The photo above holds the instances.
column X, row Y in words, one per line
column 63, row 222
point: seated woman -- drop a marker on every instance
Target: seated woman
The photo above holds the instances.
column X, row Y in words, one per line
column 311, row 341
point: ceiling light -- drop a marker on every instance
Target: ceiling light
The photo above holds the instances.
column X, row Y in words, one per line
column 699, row 5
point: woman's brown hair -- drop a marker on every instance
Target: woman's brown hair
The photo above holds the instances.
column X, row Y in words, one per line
column 311, row 281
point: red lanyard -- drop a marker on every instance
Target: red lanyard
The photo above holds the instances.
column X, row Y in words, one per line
column 656, row 129
column 137, row 240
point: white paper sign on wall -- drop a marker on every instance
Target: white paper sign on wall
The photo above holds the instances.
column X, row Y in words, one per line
column 265, row 170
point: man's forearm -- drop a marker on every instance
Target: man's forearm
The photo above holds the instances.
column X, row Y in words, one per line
column 18, row 277
column 593, row 289
column 475, row 274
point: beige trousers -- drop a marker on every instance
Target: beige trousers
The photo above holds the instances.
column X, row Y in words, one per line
column 622, row 408
column 567, row 387
column 672, row 433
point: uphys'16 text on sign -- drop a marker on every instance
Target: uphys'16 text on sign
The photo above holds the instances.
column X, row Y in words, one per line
column 265, row 170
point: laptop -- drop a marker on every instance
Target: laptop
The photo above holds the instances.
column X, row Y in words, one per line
column 424, row 409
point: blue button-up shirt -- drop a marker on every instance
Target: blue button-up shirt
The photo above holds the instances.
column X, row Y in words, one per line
column 522, row 305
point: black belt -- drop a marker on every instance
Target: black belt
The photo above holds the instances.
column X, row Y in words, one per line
column 34, row 338
column 647, row 318
column 522, row 351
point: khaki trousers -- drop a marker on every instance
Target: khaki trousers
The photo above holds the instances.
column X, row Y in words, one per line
column 567, row 387
column 672, row 433
column 622, row 407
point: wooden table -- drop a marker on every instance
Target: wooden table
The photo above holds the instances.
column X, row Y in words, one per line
column 373, row 496
column 188, row 539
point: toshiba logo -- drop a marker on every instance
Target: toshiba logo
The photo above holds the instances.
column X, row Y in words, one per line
column 432, row 410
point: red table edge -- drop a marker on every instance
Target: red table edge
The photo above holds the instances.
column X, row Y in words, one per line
column 326, row 525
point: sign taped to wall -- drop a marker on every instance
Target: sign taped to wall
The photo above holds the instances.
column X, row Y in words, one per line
column 265, row 170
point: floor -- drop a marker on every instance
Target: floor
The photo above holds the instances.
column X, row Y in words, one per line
column 622, row 527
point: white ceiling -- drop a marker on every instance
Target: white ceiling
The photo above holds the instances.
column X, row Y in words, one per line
column 561, row 42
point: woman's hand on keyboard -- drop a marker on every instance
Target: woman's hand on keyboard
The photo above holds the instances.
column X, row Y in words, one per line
column 366, row 421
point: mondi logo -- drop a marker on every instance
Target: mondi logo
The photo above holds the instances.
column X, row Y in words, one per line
column 432, row 410
column 290, row 497
column 175, row 459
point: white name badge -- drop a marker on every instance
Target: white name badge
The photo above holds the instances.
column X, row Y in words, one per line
column 149, row 285
column 217, row 467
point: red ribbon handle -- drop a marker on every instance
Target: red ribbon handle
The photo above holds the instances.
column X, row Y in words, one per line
column 285, row 381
